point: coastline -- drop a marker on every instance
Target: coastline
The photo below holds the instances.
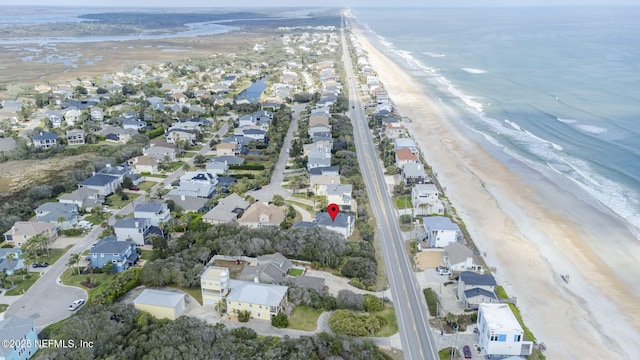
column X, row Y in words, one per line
column 528, row 242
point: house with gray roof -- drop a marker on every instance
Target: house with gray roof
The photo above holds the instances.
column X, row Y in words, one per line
column 104, row 184
column 118, row 171
column 197, row 183
column 263, row 300
column 161, row 304
column 472, row 298
column 45, row 140
column 137, row 230
column 22, row 231
column 228, row 160
column 340, row 194
column 133, row 124
column 440, row 231
column 188, row 203
column 271, row 268
column 65, row 216
column 156, row 211
column 15, row 328
column 8, row 266
column 83, row 197
column 325, row 170
column 405, row 143
column 474, row 288
column 414, row 173
column 228, row 209
column 217, row 168
column 75, row 137
column 318, row 159
column 117, row 134
column 459, row 257
column 109, row 250
column 344, row 224
column 241, row 140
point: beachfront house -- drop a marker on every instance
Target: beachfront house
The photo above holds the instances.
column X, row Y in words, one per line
column 414, row 173
column 459, row 257
column 500, row 333
column 475, row 289
column 425, row 200
column 440, row 231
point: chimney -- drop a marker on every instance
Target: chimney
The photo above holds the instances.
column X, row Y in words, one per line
column 137, row 224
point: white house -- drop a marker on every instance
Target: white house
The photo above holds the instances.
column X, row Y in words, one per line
column 132, row 229
column 425, row 200
column 155, row 211
column 440, row 231
column 459, row 257
column 500, row 333
column 340, row 194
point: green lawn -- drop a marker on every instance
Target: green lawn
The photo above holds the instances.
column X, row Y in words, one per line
column 304, row 318
column 175, row 165
column 391, row 328
column 145, row 254
column 3, row 307
column 195, row 292
column 118, row 203
column 95, row 219
column 403, row 202
column 296, row 272
column 54, row 255
column 71, row 277
column 188, row 154
column 309, row 208
column 146, row 185
column 22, row 285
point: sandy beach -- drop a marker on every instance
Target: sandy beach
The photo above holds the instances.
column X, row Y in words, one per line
column 595, row 315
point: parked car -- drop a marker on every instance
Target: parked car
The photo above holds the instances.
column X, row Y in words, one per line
column 40, row 265
column 467, row 352
column 257, row 188
column 85, row 224
column 76, row 304
column 106, row 209
column 444, row 271
column 134, row 188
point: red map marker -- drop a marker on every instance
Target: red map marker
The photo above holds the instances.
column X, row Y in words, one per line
column 333, row 211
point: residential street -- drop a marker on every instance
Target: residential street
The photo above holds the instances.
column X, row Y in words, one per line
column 416, row 337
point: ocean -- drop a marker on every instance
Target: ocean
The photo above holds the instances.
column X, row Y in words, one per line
column 553, row 88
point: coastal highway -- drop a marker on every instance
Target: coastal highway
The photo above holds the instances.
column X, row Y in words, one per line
column 416, row 337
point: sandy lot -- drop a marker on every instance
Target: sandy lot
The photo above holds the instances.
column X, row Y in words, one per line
column 428, row 259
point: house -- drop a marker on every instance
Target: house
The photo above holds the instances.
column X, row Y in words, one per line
column 262, row 117
column 404, row 156
column 72, row 117
column 425, row 199
column 227, row 210
column 227, row 149
column 136, row 230
column 405, row 143
column 459, row 257
column 319, row 131
column 475, row 289
column 55, row 117
column 320, row 146
column 75, row 137
column 228, row 160
column 188, row 203
column 133, row 124
column 118, row 171
column 180, row 98
column 10, row 260
column 414, row 173
column 103, row 183
column 116, row 134
column 318, row 159
column 45, row 140
column 21, row 231
column 394, row 130
column 255, row 134
column 340, row 194
column 173, row 135
column 246, row 120
column 260, row 214
column 263, row 300
column 197, row 183
column 240, row 140
column 440, row 231
column 161, row 304
column 96, row 114
column 500, row 333
column 271, row 268
column 109, row 250
column 65, row 216
column 18, row 329
column 84, row 198
column 319, row 183
column 157, row 212
column 214, row 283
column 161, row 151
column 344, row 224
column 144, row 164
column 325, row 170
column 217, row 168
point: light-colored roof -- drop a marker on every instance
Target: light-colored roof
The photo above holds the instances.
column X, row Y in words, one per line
column 499, row 317
column 324, row 179
column 275, row 214
column 425, row 188
column 458, row 253
column 14, row 328
column 404, row 142
column 224, row 210
column 439, row 223
column 159, row 298
column 30, row 228
column 256, row 293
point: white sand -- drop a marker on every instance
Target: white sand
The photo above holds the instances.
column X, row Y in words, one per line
column 530, row 245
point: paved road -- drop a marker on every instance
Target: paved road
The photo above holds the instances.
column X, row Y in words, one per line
column 416, row 337
column 47, row 300
column 275, row 185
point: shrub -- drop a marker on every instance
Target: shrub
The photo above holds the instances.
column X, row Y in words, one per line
column 432, row 301
column 72, row 232
column 122, row 283
column 372, row 303
column 348, row 323
column 244, row 315
column 280, row 321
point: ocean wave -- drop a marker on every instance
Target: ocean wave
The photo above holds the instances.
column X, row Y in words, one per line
column 587, row 128
column 474, row 71
column 433, row 55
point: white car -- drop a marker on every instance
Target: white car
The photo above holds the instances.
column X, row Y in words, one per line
column 76, row 304
column 85, row 224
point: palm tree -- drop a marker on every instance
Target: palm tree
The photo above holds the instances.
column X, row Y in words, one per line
column 423, row 206
column 74, row 259
column 42, row 242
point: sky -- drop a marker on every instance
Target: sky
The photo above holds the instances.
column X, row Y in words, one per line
column 314, row 3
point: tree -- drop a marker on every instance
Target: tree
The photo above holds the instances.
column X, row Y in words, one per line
column 41, row 242
column 277, row 200
column 199, row 160
column 74, row 259
column 244, row 315
column 127, row 182
column 28, row 259
column 280, row 321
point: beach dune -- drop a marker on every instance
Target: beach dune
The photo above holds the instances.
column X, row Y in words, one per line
column 596, row 314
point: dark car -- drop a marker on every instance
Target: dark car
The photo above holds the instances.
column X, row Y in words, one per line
column 257, row 188
column 40, row 265
column 134, row 188
column 467, row 352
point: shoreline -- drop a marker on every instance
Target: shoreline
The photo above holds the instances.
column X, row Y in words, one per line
column 529, row 243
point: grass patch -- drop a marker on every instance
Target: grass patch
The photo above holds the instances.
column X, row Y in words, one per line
column 146, row 254
column 432, row 301
column 528, row 335
column 304, row 318
column 403, row 202
column 502, row 294
column 116, row 201
column 309, row 208
column 187, row 154
column 70, row 277
column 173, row 166
column 195, row 292
column 296, row 272
column 95, row 219
column 445, row 354
column 3, row 307
column 146, row 185
column 22, row 285
column 160, row 176
column 389, row 314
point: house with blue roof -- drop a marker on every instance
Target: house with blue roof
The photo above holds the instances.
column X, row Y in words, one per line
column 137, row 230
column 103, row 183
column 109, row 250
column 45, row 140
column 440, row 231
column 8, row 265
column 15, row 328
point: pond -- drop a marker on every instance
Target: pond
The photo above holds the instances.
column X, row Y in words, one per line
column 253, row 92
